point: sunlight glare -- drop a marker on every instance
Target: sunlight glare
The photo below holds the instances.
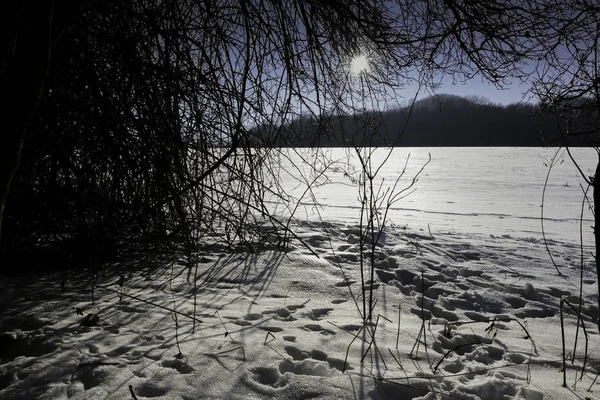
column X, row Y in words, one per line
column 359, row 64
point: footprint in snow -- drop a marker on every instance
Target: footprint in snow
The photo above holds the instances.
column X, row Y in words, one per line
column 93, row 348
column 282, row 314
column 295, row 353
column 252, row 317
column 475, row 316
column 150, row 390
column 441, row 313
column 308, row 366
column 351, row 327
column 318, row 313
column 273, row 329
column 130, row 308
column 300, row 355
column 242, row 323
column 179, row 365
column 453, row 368
column 319, row 329
column 259, row 377
column 345, row 283
column 515, row 358
column 119, row 351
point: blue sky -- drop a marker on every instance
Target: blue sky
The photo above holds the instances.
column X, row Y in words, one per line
column 513, row 94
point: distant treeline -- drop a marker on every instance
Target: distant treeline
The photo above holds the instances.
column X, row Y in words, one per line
column 442, row 120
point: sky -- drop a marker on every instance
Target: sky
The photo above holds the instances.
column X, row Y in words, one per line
column 515, row 93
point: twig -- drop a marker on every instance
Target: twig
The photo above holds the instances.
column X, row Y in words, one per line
column 398, row 331
column 356, row 336
column 550, row 165
column 487, row 321
column 395, row 359
column 563, row 300
column 373, row 341
column 151, row 303
column 174, row 315
column 227, row 334
column 450, row 352
column 132, row 393
column 562, row 331
column 579, row 320
column 423, row 330
column 234, row 349
column 267, row 338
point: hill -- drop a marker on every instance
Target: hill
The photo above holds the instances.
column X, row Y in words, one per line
column 443, row 120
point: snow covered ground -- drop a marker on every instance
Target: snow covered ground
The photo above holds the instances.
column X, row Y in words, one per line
column 467, row 303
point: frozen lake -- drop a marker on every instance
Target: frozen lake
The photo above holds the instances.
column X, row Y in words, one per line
column 489, row 191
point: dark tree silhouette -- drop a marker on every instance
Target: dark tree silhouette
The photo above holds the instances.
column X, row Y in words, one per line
column 138, row 120
column 146, row 111
column 29, row 32
column 440, row 120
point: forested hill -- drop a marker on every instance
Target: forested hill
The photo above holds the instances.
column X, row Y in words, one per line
column 443, row 120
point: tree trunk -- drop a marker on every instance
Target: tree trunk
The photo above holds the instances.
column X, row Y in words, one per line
column 596, row 186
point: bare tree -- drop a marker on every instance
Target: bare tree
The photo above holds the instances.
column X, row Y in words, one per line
column 567, row 83
column 554, row 46
column 150, row 110
column 156, row 119
column 30, row 30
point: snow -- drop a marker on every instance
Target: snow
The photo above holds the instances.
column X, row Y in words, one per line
column 463, row 262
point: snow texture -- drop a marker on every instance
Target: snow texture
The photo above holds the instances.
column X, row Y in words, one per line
column 461, row 312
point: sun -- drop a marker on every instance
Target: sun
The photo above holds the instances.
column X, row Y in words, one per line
column 359, row 64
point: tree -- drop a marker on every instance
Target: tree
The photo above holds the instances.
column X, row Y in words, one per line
column 147, row 110
column 30, row 31
column 567, row 83
column 552, row 45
